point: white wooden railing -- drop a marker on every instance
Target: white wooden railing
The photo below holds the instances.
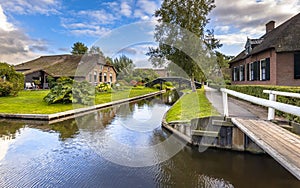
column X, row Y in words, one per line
column 273, row 96
column 271, row 104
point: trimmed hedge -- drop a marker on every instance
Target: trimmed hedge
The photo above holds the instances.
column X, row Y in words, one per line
column 257, row 91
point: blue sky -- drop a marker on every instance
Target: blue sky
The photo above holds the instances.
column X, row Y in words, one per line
column 31, row 28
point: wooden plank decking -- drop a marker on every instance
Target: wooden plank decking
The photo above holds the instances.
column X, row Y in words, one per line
column 279, row 143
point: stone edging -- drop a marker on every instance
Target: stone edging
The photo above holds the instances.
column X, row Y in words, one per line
column 48, row 117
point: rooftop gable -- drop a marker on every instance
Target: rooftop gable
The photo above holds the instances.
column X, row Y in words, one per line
column 284, row 38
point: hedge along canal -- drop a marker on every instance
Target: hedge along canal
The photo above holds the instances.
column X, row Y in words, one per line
column 71, row 154
column 76, row 112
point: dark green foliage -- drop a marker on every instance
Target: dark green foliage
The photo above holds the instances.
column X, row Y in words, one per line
column 79, row 48
column 51, row 81
column 11, row 82
column 144, row 75
column 124, row 66
column 67, row 90
column 180, row 35
column 96, row 50
column 257, row 91
column 165, row 85
column 5, row 88
column 83, row 93
column 168, row 84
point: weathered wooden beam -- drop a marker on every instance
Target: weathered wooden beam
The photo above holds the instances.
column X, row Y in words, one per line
column 222, row 123
column 205, row 133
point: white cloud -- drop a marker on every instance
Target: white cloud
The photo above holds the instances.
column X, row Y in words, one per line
column 98, row 16
column 45, row 7
column 15, row 46
column 100, row 22
column 246, row 14
column 232, row 39
column 125, row 9
column 4, row 24
column 247, row 18
column 145, row 9
column 224, row 29
column 147, row 6
column 84, row 28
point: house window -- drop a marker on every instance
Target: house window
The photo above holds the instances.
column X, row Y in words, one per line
column 251, row 72
column 236, row 74
column 90, row 77
column 100, row 77
column 110, row 77
column 263, row 70
column 104, row 77
column 108, row 69
column 242, row 72
column 297, row 65
column 95, row 76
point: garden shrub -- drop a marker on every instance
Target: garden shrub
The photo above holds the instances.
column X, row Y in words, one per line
column 5, row 88
column 164, row 86
column 103, row 87
column 169, row 84
column 10, row 77
column 67, row 90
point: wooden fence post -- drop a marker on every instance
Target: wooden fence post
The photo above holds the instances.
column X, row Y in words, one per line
column 271, row 111
column 225, row 103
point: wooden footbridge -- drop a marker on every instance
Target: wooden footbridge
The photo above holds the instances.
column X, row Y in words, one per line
column 279, row 143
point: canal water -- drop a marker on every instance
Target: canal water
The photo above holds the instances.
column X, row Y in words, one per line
column 91, row 151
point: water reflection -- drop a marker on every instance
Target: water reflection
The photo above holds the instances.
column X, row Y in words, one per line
column 62, row 155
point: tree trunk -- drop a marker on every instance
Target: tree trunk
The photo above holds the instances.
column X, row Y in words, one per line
column 193, row 84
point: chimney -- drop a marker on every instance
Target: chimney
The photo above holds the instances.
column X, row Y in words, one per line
column 270, row 26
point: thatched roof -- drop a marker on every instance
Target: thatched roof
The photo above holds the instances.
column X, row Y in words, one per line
column 284, row 38
column 62, row 65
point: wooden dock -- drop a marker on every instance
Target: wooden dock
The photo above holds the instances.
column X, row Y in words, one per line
column 279, row 143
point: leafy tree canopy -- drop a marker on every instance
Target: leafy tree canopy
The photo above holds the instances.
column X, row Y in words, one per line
column 124, row 66
column 96, row 50
column 79, row 48
column 180, row 34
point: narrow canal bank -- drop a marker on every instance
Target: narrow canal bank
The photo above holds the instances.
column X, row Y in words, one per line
column 74, row 112
column 77, row 153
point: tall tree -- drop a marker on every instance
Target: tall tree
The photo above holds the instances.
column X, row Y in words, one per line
column 180, row 34
column 123, row 65
column 96, row 50
column 79, row 48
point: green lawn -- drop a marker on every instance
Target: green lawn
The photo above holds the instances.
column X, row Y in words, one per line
column 192, row 105
column 31, row 102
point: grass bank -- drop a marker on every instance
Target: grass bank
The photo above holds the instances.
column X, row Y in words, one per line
column 191, row 105
column 31, row 102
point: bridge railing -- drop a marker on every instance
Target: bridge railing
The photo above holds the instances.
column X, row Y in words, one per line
column 273, row 96
column 271, row 104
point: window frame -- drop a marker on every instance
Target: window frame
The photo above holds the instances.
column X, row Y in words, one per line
column 297, row 65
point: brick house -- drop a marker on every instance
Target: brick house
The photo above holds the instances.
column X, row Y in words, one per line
column 273, row 59
column 92, row 68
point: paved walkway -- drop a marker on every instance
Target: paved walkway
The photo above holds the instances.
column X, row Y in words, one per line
column 235, row 109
